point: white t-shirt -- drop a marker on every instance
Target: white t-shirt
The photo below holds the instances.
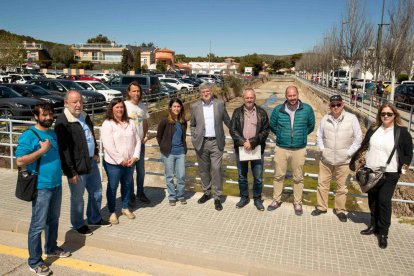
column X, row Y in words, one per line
column 138, row 113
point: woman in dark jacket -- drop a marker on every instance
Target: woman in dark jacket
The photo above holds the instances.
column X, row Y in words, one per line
column 379, row 142
column 171, row 136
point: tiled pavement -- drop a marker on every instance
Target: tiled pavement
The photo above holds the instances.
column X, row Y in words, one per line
column 244, row 240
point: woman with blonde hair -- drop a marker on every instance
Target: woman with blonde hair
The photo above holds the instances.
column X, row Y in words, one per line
column 171, row 136
column 386, row 137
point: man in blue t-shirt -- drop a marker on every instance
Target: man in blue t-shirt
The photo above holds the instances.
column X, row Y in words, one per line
column 39, row 144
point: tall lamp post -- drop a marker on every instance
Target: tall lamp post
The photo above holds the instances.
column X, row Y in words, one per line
column 379, row 39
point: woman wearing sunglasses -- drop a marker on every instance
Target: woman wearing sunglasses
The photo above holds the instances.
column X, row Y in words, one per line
column 380, row 139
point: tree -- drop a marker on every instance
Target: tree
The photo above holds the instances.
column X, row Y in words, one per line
column 137, row 60
column 161, row 67
column 144, row 68
column 62, row 54
column 12, row 53
column 127, row 61
column 251, row 61
column 279, row 64
column 399, row 39
column 148, row 45
column 99, row 39
column 356, row 35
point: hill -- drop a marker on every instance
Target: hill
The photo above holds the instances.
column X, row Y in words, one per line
column 20, row 38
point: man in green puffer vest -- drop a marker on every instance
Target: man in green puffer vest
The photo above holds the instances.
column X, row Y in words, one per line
column 291, row 122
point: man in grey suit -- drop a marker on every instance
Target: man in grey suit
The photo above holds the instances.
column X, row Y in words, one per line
column 207, row 136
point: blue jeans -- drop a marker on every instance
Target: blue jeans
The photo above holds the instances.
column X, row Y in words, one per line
column 257, row 171
column 140, row 168
column 93, row 184
column 174, row 163
column 45, row 216
column 116, row 174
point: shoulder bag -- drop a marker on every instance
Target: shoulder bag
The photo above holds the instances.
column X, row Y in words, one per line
column 26, row 187
column 368, row 178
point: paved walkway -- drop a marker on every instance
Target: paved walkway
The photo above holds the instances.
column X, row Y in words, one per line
column 243, row 241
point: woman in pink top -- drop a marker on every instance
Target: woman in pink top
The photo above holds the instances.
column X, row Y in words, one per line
column 122, row 148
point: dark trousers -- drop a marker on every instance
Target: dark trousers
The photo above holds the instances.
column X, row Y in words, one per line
column 380, row 205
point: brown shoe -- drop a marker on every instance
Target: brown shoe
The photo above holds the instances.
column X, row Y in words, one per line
column 298, row 209
column 274, row 205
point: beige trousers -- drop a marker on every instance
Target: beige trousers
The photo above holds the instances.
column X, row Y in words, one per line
column 326, row 171
column 296, row 159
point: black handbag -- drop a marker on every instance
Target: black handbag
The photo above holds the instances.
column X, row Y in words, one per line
column 26, row 187
column 368, row 178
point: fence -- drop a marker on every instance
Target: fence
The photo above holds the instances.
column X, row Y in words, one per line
column 7, row 127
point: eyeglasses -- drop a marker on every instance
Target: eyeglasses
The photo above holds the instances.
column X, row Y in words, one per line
column 336, row 105
column 388, row 114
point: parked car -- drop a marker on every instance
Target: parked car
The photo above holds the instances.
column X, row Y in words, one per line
column 13, row 105
column 168, row 89
column 4, row 79
column 100, row 88
column 102, row 76
column 20, row 78
column 150, row 85
column 62, row 86
column 182, row 86
column 192, row 82
column 404, row 94
column 87, row 77
column 37, row 92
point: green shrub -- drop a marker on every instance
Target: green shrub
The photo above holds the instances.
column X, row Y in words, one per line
column 402, row 77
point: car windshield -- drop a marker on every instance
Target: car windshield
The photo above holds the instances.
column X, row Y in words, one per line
column 27, row 77
column 70, row 85
column 38, row 91
column 6, row 92
column 100, row 86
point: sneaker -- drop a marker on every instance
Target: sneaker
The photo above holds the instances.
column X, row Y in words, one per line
column 172, row 202
column 183, row 201
column 128, row 213
column 298, row 209
column 143, row 198
column 102, row 223
column 274, row 205
column 113, row 219
column 317, row 212
column 84, row 230
column 59, row 253
column 41, row 269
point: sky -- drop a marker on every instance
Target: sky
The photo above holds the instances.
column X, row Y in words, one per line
column 232, row 27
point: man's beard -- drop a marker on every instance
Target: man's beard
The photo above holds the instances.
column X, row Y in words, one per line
column 46, row 123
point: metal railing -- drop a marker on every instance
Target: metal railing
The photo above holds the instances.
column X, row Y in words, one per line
column 8, row 131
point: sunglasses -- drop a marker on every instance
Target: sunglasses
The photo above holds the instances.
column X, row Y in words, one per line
column 388, row 114
column 335, row 105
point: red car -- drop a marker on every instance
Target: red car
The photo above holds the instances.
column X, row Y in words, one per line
column 87, row 77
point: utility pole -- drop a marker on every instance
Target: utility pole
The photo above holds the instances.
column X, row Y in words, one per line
column 379, row 38
column 209, row 59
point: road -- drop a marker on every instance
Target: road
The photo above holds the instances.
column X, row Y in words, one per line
column 90, row 261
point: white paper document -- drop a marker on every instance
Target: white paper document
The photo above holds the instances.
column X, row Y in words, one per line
column 246, row 155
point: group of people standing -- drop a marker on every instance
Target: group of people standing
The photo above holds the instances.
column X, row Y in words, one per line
column 72, row 148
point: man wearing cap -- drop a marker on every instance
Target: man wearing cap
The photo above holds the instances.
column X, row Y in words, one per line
column 291, row 122
column 339, row 136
